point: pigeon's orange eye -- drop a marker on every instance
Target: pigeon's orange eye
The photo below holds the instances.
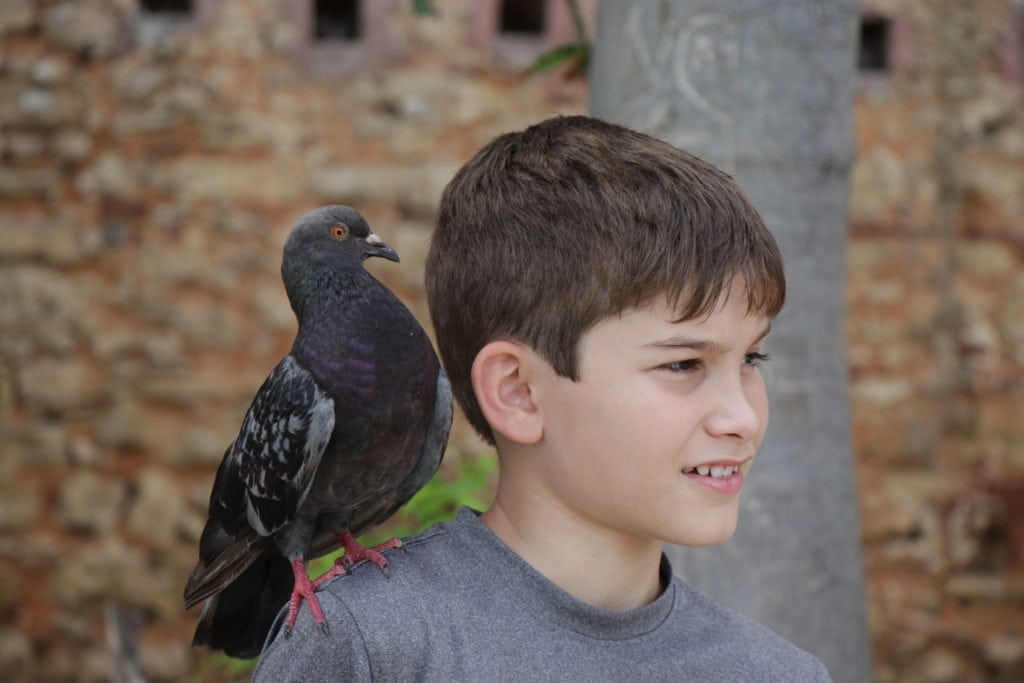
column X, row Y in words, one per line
column 339, row 231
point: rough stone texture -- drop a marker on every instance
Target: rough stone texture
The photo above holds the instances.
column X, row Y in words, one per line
column 20, row 507
column 90, row 502
column 934, row 331
column 147, row 181
column 158, row 510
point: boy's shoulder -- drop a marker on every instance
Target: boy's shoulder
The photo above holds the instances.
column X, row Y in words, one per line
column 758, row 653
column 460, row 605
column 371, row 615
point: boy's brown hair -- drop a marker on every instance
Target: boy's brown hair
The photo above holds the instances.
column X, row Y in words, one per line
column 547, row 231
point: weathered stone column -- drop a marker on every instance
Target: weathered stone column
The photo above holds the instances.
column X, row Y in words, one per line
column 764, row 90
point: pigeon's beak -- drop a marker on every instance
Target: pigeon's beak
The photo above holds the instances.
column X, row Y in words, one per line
column 375, row 246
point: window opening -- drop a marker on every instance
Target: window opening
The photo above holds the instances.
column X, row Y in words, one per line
column 168, row 7
column 336, row 20
column 873, row 50
column 522, row 17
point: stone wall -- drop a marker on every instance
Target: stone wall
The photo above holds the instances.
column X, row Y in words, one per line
column 936, row 321
column 149, row 174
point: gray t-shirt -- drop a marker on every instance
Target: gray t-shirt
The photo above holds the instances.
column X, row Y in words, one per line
column 461, row 606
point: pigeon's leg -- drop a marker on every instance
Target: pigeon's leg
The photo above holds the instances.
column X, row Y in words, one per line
column 337, row 570
column 303, row 589
column 355, row 551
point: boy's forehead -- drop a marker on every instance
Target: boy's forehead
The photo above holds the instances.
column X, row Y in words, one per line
column 662, row 312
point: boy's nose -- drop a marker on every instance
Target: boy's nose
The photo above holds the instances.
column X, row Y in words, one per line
column 739, row 412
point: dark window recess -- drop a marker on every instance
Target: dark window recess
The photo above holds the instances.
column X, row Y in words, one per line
column 522, row 16
column 336, row 20
column 873, row 51
column 166, row 6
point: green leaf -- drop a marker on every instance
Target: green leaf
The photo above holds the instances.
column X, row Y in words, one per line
column 423, row 7
column 576, row 55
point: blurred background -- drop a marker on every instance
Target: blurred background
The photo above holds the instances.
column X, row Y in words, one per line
column 155, row 153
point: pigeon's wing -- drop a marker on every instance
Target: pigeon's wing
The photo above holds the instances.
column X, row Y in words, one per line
column 379, row 508
column 264, row 477
column 426, row 464
column 279, row 447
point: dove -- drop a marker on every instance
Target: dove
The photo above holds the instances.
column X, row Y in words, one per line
column 349, row 425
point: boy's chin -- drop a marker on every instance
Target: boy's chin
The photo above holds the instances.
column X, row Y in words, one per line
column 712, row 533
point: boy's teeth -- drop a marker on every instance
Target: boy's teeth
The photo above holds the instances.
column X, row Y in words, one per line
column 716, row 471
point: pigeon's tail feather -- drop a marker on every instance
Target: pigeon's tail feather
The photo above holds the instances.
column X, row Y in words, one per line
column 222, row 559
column 238, row 619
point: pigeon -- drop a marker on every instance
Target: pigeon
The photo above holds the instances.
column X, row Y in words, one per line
column 346, row 429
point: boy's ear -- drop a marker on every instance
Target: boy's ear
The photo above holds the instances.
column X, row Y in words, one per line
column 502, row 374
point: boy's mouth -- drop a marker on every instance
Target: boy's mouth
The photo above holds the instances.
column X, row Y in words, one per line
column 716, row 471
column 722, row 476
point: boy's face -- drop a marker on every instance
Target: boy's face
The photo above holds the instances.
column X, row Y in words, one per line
column 656, row 437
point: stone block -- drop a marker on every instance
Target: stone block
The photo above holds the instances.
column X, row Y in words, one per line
column 90, row 502
column 10, row 590
column 18, row 16
column 411, row 241
column 95, row 27
column 270, row 181
column 123, row 426
column 986, row 260
column 156, row 589
column 206, row 323
column 942, row 665
column 1005, row 650
column 183, row 390
column 986, row 588
column 111, row 176
column 134, row 81
column 90, row 574
column 414, row 189
column 59, row 385
column 166, row 661
column 1010, row 319
column 52, row 240
column 199, row 447
column 974, row 532
column 15, row 654
column 235, row 131
column 24, row 146
column 21, row 506
column 270, row 306
column 49, row 71
column 72, row 145
column 158, row 508
column 39, row 550
column 881, row 391
column 28, row 183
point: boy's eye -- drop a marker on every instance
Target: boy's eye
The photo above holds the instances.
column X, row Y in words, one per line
column 755, row 358
column 688, row 365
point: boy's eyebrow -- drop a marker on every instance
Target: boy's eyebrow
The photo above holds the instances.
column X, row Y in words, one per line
column 701, row 345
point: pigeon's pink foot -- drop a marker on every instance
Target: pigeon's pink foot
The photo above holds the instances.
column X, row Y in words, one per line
column 303, row 589
column 355, row 551
column 337, row 570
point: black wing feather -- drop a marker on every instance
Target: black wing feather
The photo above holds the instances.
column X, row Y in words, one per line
column 277, row 451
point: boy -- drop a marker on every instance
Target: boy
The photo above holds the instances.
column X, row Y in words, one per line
column 600, row 300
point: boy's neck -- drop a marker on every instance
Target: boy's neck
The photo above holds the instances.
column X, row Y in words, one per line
column 599, row 567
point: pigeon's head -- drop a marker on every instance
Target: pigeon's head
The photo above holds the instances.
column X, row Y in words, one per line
column 334, row 235
column 328, row 239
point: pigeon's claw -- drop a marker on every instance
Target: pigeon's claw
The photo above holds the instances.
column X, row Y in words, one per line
column 356, row 552
column 303, row 589
column 337, row 570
